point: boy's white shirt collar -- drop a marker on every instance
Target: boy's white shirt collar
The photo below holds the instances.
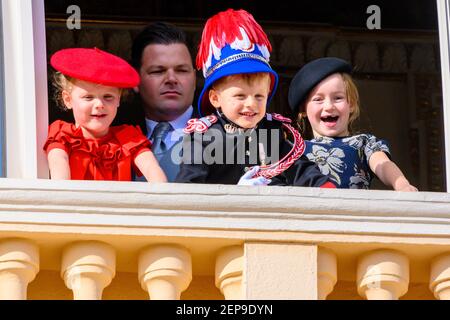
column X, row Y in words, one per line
column 178, row 125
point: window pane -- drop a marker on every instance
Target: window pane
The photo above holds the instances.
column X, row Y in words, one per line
column 396, row 67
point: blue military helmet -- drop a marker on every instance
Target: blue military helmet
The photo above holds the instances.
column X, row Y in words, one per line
column 310, row 75
column 232, row 43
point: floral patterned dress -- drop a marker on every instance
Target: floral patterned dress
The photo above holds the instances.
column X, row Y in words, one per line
column 346, row 159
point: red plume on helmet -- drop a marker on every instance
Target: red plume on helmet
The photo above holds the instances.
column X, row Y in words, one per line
column 232, row 43
column 225, row 28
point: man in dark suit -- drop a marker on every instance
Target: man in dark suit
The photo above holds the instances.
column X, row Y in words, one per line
column 161, row 56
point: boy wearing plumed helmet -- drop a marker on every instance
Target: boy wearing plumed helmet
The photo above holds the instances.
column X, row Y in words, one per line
column 236, row 141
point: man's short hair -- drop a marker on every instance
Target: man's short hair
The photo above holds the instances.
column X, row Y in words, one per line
column 155, row 33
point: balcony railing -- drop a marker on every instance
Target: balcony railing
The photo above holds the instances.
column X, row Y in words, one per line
column 120, row 240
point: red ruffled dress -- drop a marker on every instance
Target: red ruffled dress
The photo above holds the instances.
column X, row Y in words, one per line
column 108, row 158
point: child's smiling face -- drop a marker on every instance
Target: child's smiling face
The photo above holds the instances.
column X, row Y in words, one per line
column 328, row 108
column 242, row 100
column 94, row 106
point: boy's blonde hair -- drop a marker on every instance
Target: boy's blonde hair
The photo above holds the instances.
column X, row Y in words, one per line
column 352, row 95
column 248, row 77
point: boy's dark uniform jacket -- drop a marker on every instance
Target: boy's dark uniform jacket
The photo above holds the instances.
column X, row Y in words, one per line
column 302, row 172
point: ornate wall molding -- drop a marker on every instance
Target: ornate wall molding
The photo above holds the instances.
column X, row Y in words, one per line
column 397, row 52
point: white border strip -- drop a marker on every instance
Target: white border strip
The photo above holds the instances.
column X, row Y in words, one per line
column 40, row 65
column 26, row 106
column 443, row 8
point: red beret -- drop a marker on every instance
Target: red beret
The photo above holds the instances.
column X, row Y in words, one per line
column 95, row 65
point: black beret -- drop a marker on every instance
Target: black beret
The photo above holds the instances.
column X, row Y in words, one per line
column 310, row 75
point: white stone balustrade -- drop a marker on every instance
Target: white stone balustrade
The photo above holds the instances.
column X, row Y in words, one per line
column 19, row 264
column 383, row 275
column 326, row 273
column 287, row 242
column 165, row 271
column 440, row 277
column 228, row 272
column 87, row 268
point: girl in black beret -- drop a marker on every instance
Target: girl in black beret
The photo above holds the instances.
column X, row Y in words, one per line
column 324, row 95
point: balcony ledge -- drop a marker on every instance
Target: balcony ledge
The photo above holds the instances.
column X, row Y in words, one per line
column 223, row 207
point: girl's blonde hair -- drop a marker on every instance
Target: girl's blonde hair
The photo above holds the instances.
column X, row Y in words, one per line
column 352, row 95
column 62, row 82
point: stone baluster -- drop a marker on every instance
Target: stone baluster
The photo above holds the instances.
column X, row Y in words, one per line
column 87, row 268
column 327, row 272
column 440, row 277
column 165, row 271
column 228, row 275
column 383, row 275
column 19, row 264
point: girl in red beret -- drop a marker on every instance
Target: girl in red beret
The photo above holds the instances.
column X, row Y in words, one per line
column 324, row 93
column 90, row 83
